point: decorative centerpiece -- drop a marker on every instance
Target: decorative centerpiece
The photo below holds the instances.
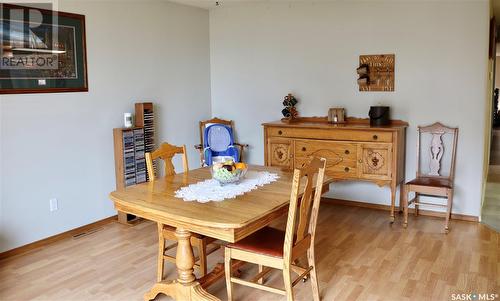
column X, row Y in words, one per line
column 228, row 172
column 289, row 112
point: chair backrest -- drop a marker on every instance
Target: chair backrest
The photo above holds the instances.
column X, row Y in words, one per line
column 205, row 123
column 436, row 149
column 166, row 152
column 219, row 142
column 218, row 137
column 303, row 213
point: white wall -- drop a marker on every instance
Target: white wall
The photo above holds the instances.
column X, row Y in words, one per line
column 262, row 51
column 60, row 145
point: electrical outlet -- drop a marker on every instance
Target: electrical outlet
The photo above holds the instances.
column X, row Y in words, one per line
column 53, row 205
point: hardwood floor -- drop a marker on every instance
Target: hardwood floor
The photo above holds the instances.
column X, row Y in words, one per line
column 360, row 256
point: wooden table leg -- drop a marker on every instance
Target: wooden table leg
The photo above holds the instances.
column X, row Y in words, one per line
column 185, row 287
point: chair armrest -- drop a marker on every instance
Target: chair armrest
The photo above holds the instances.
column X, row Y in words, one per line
column 241, row 145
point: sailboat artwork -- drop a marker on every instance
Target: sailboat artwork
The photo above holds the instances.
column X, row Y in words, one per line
column 14, row 32
column 45, row 55
column 27, row 48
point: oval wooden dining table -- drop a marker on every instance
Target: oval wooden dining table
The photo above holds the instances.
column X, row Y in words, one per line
column 230, row 220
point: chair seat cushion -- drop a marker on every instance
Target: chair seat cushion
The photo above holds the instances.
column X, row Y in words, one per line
column 267, row 241
column 431, row 182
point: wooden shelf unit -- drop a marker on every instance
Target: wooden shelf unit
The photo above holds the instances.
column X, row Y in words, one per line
column 144, row 117
column 130, row 164
column 131, row 144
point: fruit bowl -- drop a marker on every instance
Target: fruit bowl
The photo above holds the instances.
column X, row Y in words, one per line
column 228, row 172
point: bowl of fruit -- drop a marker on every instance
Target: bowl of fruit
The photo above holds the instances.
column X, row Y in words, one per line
column 228, row 172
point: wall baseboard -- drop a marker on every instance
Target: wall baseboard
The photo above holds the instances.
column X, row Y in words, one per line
column 456, row 216
column 57, row 237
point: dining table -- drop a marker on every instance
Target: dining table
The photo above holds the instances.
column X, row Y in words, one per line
column 229, row 220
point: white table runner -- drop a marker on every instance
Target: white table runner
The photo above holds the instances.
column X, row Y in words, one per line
column 211, row 190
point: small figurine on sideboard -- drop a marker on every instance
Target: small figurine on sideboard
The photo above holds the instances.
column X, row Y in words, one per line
column 289, row 112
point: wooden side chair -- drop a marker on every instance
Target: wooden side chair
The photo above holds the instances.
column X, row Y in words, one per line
column 166, row 152
column 433, row 183
column 203, row 124
column 276, row 249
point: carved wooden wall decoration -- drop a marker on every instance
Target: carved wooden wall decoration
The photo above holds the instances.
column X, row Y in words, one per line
column 376, row 72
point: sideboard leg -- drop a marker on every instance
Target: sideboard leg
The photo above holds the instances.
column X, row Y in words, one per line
column 393, row 201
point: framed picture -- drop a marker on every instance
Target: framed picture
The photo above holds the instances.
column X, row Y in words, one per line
column 42, row 51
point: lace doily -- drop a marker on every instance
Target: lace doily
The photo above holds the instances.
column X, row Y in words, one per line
column 211, row 190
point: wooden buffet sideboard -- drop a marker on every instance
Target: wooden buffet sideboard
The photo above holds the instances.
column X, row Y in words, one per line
column 354, row 150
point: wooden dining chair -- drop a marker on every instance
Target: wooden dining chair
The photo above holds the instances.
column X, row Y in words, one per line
column 433, row 183
column 203, row 124
column 166, row 152
column 272, row 248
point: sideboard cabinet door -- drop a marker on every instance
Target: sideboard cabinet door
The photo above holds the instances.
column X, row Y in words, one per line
column 375, row 161
column 280, row 152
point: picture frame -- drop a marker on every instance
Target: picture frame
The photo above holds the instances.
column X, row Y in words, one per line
column 41, row 51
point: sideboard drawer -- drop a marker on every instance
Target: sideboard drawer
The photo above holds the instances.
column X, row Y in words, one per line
column 331, row 134
column 341, row 157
